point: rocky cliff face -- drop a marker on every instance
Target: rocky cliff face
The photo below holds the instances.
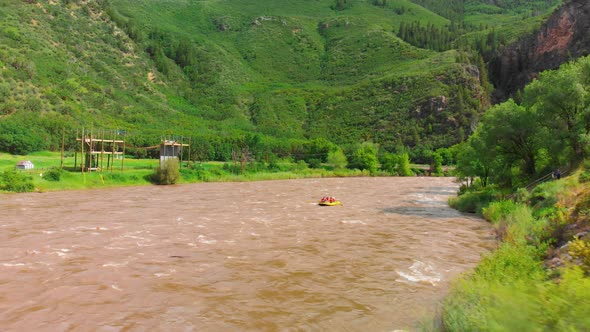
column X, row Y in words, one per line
column 565, row 36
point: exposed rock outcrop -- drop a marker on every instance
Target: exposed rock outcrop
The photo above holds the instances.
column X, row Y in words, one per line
column 565, row 36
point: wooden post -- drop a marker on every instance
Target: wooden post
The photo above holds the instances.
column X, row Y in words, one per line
column 123, row 159
column 82, row 156
column 109, row 158
column 90, row 151
column 63, row 139
column 190, row 142
column 181, row 141
column 113, row 150
column 102, row 151
column 76, row 152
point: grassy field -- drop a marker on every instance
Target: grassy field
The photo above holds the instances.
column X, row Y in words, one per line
column 137, row 172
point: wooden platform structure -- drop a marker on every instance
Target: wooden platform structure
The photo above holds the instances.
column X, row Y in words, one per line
column 94, row 146
column 170, row 149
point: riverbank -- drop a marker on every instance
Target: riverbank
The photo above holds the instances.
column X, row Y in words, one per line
column 45, row 180
column 51, row 174
column 537, row 279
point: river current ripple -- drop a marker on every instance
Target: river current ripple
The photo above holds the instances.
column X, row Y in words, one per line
column 253, row 256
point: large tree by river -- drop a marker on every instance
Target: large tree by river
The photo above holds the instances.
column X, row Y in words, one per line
column 561, row 99
column 515, row 142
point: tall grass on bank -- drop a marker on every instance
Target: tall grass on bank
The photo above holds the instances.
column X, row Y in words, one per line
column 510, row 290
column 473, row 201
column 530, row 303
column 514, row 223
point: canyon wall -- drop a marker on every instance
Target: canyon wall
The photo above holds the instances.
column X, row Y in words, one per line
column 565, row 36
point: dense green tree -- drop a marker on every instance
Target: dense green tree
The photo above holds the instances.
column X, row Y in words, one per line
column 447, row 156
column 510, row 130
column 389, row 162
column 364, row 157
column 474, row 161
column 561, row 99
column 403, row 168
column 337, row 159
column 437, row 161
column 317, row 149
column 551, row 128
column 201, row 149
column 17, row 138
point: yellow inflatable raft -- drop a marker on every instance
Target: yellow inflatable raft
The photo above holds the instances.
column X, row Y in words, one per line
column 329, row 201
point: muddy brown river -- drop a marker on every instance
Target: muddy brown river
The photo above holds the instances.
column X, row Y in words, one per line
column 258, row 256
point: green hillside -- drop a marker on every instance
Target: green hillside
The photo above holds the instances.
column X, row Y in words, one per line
column 289, row 71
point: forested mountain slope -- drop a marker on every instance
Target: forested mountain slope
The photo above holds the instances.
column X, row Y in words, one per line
column 289, row 71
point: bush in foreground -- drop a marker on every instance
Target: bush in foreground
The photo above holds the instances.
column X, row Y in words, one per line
column 510, row 290
column 520, row 303
column 53, row 174
column 473, row 201
column 11, row 180
column 168, row 173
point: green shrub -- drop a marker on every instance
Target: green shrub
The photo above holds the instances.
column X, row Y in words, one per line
column 314, row 163
column 11, row 180
column 565, row 304
column 115, row 177
column 437, row 160
column 546, row 194
column 364, row 157
column 273, row 164
column 472, row 201
column 585, row 174
column 521, row 195
column 202, row 173
column 511, row 262
column 515, row 222
column 53, row 174
column 236, row 168
column 12, row 33
column 520, row 303
column 122, row 178
column 403, row 168
column 583, row 205
column 501, row 295
column 167, row 173
column 498, row 210
column 580, row 250
column 388, row 162
column 337, row 159
column 522, row 227
column 300, row 166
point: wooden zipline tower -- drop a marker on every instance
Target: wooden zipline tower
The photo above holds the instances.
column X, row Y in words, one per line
column 94, row 146
column 170, row 149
